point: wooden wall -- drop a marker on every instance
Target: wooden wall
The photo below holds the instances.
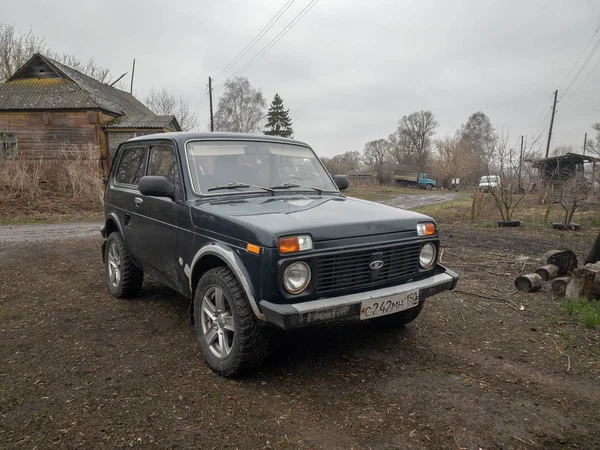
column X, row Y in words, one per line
column 48, row 135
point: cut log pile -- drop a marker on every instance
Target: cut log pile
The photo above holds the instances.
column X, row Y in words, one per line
column 559, row 267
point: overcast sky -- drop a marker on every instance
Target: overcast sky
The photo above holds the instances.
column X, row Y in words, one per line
column 350, row 69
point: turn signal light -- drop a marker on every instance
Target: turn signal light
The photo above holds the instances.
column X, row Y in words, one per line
column 426, row 229
column 295, row 244
column 251, row 248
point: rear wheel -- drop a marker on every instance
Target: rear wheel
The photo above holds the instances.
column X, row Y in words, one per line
column 227, row 329
column 124, row 278
column 401, row 318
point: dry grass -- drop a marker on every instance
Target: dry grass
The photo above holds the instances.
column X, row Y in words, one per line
column 530, row 212
column 63, row 189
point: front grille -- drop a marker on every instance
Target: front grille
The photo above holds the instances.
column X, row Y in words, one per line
column 350, row 271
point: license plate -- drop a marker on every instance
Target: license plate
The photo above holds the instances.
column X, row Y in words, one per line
column 388, row 305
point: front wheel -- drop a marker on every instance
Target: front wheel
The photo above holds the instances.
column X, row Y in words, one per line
column 399, row 319
column 124, row 278
column 428, row 187
column 228, row 332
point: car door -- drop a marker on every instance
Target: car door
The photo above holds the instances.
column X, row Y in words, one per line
column 124, row 188
column 155, row 220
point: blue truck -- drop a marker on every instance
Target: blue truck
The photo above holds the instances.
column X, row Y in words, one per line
column 408, row 179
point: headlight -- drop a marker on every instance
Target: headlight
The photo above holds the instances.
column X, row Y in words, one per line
column 427, row 256
column 296, row 277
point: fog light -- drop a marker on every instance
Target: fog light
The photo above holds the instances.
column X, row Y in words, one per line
column 427, row 256
column 296, row 277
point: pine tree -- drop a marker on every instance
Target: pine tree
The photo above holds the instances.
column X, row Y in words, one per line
column 278, row 119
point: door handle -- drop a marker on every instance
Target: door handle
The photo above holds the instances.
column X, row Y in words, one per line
column 138, row 201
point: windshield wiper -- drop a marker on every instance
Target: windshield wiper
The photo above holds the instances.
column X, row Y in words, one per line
column 293, row 185
column 236, row 185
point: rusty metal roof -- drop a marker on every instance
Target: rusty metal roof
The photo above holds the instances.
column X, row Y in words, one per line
column 146, row 121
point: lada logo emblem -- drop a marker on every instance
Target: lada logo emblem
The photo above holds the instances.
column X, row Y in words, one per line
column 375, row 265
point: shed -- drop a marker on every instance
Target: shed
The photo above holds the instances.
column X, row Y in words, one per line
column 562, row 167
column 48, row 110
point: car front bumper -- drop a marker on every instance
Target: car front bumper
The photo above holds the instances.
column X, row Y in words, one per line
column 297, row 315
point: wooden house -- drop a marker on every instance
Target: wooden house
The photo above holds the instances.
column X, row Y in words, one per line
column 48, row 110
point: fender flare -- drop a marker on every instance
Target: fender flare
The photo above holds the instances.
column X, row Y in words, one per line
column 235, row 265
column 112, row 216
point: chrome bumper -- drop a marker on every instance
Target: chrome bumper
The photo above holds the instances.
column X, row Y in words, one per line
column 307, row 313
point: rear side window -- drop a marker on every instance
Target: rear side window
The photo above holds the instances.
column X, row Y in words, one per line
column 131, row 166
column 163, row 162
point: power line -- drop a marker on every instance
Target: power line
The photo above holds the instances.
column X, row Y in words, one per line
column 578, row 58
column 276, row 39
column 584, row 81
column 581, row 106
column 255, row 40
column 584, row 97
column 200, row 101
column 583, row 66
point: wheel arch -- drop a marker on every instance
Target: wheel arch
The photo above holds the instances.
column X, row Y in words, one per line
column 112, row 224
column 216, row 255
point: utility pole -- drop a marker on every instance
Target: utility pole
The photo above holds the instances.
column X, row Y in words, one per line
column 520, row 160
column 132, row 74
column 212, row 123
column 584, row 143
column 551, row 124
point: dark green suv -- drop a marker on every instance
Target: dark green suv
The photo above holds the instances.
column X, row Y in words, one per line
column 256, row 232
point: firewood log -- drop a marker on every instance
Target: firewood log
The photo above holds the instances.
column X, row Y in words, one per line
column 529, row 282
column 559, row 286
column 547, row 272
column 565, row 260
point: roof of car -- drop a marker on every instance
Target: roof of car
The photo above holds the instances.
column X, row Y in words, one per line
column 184, row 136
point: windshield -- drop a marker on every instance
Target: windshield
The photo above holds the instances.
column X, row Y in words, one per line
column 247, row 166
column 489, row 179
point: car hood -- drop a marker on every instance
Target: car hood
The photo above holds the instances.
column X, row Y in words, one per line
column 262, row 220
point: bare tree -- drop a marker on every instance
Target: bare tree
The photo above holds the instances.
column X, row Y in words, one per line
column 561, row 150
column 503, row 160
column 593, row 145
column 241, row 108
column 343, row 163
column 453, row 159
column 571, row 193
column 16, row 48
column 401, row 149
column 377, row 155
column 479, row 136
column 165, row 104
column 417, row 129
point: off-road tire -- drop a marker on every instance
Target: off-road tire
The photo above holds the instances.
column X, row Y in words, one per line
column 131, row 276
column 399, row 319
column 251, row 340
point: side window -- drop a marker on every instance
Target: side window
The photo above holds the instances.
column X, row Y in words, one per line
column 8, row 146
column 131, row 166
column 163, row 162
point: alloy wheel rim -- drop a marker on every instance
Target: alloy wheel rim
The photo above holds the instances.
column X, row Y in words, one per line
column 216, row 317
column 114, row 265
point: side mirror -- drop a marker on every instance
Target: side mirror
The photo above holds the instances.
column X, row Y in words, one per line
column 155, row 186
column 341, row 181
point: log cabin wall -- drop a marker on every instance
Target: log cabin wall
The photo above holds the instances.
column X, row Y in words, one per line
column 49, row 135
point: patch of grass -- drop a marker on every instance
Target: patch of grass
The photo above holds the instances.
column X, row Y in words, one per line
column 587, row 310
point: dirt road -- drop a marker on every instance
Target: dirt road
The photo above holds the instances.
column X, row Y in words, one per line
column 81, row 369
column 13, row 234
column 407, row 201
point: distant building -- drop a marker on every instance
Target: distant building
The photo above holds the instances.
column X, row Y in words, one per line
column 563, row 167
column 46, row 107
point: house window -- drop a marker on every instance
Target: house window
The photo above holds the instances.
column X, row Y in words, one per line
column 8, row 146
